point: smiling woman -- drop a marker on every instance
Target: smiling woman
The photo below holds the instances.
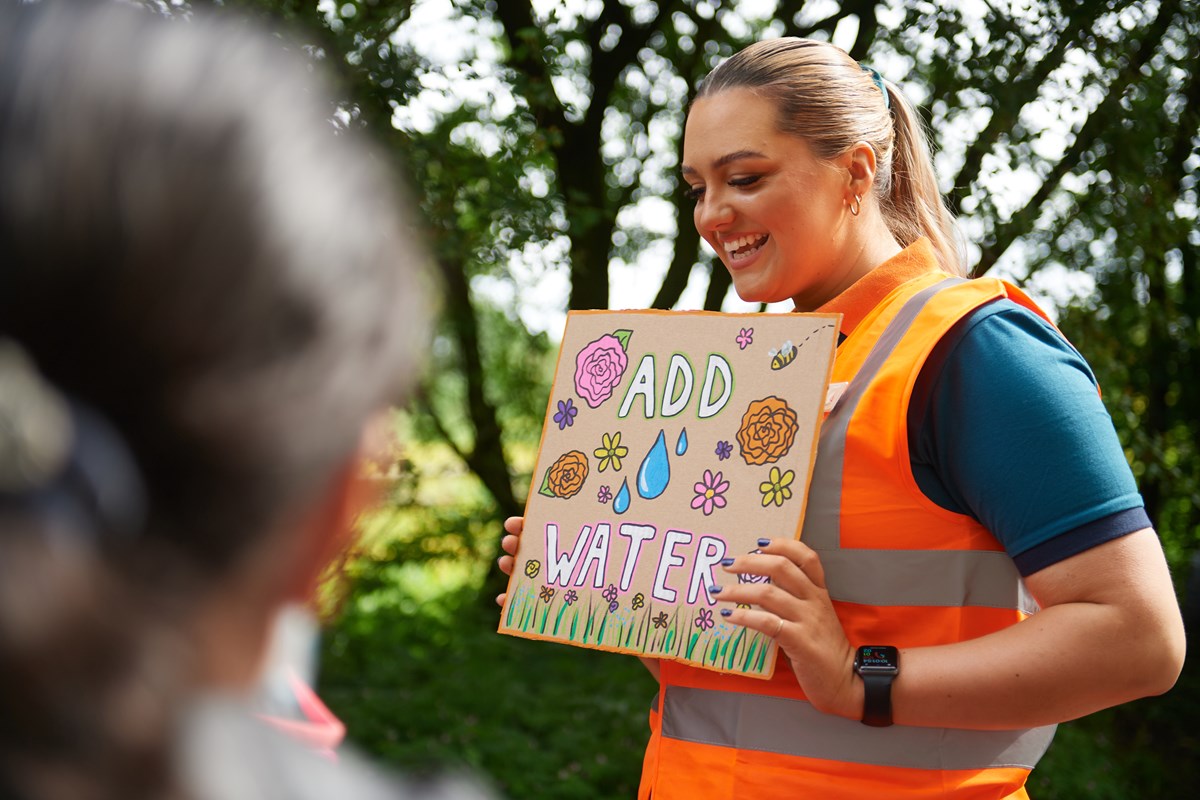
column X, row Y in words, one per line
column 772, row 211
column 966, row 478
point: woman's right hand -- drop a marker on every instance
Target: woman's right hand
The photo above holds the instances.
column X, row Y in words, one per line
column 512, row 527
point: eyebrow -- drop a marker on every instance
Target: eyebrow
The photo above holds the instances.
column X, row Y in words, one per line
column 728, row 158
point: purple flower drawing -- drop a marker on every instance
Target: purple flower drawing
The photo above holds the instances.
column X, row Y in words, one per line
column 724, row 450
column 604, row 495
column 599, row 368
column 613, row 606
column 704, row 620
column 570, row 597
column 710, row 492
column 566, row 414
column 745, row 338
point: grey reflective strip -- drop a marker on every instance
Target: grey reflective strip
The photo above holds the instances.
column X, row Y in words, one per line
column 926, row 578
column 896, row 577
column 794, row 728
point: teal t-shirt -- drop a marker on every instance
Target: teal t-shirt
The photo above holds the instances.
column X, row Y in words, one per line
column 1005, row 424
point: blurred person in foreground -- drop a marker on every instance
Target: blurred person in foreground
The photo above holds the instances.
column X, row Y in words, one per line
column 206, row 297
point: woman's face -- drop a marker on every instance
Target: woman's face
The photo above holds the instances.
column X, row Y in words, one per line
column 774, row 213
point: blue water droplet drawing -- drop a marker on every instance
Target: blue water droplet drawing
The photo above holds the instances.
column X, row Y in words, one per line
column 621, row 501
column 681, row 443
column 655, row 472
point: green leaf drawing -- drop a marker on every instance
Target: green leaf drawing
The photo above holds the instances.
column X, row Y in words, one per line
column 546, row 490
column 622, row 336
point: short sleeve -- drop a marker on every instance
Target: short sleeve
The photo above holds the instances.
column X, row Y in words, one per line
column 1006, row 424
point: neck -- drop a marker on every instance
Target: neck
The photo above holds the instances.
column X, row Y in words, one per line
column 871, row 245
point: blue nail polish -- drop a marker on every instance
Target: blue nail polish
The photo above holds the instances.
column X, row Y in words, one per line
column 726, row 562
column 725, row 612
column 714, row 590
column 763, row 542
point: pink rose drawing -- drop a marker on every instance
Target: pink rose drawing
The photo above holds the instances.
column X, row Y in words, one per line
column 599, row 367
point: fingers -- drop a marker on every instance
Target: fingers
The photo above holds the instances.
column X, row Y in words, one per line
column 766, row 622
column 787, row 562
column 768, row 597
column 508, row 543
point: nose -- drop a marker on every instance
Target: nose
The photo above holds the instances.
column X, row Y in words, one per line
column 713, row 212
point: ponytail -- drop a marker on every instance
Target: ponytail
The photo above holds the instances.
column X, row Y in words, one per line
column 913, row 206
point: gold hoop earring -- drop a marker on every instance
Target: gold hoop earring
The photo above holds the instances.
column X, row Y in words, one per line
column 856, row 206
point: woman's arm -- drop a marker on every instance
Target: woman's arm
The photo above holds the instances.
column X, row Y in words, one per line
column 1109, row 631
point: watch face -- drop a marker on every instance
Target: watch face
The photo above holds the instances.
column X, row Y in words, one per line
column 878, row 658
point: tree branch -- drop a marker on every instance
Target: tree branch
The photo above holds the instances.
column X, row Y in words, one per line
column 426, row 404
column 547, row 109
column 486, row 458
column 1022, row 221
column 1025, row 89
column 719, row 282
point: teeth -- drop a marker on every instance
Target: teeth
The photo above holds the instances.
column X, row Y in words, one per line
column 741, row 241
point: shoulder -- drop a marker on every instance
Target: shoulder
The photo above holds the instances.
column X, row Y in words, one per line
column 1007, row 337
column 999, row 358
column 1006, row 424
column 225, row 752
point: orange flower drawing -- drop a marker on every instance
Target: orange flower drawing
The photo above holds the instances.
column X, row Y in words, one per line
column 767, row 432
column 566, row 475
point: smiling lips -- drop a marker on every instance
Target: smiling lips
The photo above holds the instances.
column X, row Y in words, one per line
column 744, row 246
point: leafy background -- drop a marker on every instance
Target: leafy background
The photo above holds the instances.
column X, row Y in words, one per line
column 543, row 153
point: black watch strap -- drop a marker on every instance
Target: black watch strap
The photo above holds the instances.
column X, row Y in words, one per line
column 877, row 700
column 877, row 665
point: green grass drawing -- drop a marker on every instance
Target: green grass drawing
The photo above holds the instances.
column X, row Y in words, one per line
column 650, row 630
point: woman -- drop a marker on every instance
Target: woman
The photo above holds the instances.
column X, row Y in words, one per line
column 205, row 297
column 968, row 476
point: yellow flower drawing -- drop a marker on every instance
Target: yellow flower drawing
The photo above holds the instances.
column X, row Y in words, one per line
column 611, row 452
column 777, row 487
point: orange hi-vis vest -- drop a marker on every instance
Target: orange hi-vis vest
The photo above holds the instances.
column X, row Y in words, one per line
column 900, row 570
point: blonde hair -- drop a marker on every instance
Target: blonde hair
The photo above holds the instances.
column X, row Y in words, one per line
column 825, row 97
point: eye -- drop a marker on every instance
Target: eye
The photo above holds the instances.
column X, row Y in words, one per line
column 693, row 193
column 746, row 180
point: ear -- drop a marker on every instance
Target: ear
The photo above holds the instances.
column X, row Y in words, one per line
column 860, row 164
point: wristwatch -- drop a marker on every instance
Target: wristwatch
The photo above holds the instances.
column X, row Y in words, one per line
column 877, row 665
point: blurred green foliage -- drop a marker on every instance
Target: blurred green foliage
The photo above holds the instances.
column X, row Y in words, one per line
column 427, row 684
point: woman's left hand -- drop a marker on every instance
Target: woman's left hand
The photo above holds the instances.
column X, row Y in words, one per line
column 795, row 610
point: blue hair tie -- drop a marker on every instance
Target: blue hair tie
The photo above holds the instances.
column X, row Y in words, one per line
column 887, row 100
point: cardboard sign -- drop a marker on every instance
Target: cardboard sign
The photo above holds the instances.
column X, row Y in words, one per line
column 672, row 440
